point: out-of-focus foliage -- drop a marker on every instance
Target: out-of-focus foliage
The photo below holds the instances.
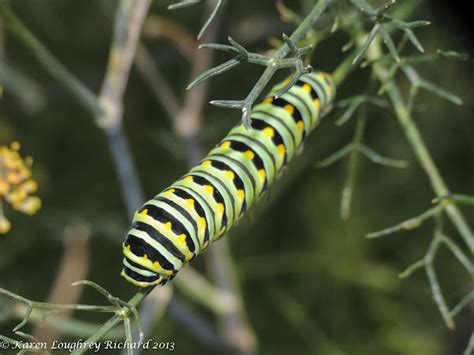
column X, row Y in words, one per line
column 311, row 283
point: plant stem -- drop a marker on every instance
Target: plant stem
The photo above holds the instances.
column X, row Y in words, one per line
column 352, row 168
column 418, row 145
column 128, row 23
column 113, row 321
column 414, row 138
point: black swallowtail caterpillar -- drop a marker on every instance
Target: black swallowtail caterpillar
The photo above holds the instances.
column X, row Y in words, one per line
column 179, row 223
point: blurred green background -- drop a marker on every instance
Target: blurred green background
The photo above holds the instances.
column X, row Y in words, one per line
column 311, row 283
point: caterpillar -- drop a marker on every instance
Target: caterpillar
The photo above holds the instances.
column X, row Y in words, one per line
column 176, row 225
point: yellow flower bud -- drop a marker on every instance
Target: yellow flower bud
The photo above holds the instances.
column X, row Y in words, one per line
column 29, row 186
column 30, row 205
column 13, row 177
column 4, row 188
column 16, row 184
column 5, row 225
column 15, row 146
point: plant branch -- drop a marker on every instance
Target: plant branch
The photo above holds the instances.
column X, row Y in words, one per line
column 113, row 321
column 273, row 63
column 128, row 22
column 424, row 157
column 415, row 139
column 212, row 15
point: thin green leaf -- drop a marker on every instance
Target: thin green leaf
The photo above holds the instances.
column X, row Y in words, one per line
column 412, row 268
column 409, row 224
column 389, row 43
column 294, row 78
column 221, row 68
column 381, row 160
column 183, row 4
column 210, row 19
column 414, row 40
column 366, row 44
column 235, row 104
column 338, row 155
column 384, row 8
column 220, row 47
column 416, row 24
column 459, row 254
column 290, row 43
column 439, row 91
column 241, row 49
column 462, row 304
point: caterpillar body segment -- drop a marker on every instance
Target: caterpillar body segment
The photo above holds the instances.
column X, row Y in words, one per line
column 178, row 224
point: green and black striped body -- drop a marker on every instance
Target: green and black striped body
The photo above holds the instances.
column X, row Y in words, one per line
column 180, row 223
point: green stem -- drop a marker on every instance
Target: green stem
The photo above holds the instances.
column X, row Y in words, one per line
column 281, row 53
column 414, row 138
column 52, row 306
column 418, row 145
column 113, row 321
column 304, row 27
column 352, row 167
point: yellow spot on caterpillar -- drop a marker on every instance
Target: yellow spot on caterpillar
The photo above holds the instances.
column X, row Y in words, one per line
column 226, row 144
column 289, row 108
column 181, row 243
column 241, row 194
column 206, row 163
column 188, row 179
column 317, row 103
column 268, row 100
column 249, row 154
column 146, row 257
column 286, row 81
column 171, row 191
column 157, row 264
column 190, row 201
column 202, row 222
column 269, row 132
column 281, row 149
column 300, row 125
column 209, row 188
column 168, row 225
column 307, row 88
column 229, row 174
column 262, row 174
column 220, row 208
column 181, row 239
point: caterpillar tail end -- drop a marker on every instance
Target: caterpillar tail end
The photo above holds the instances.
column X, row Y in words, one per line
column 134, row 274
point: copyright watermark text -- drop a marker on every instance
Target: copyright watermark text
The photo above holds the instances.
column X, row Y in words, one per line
column 80, row 344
